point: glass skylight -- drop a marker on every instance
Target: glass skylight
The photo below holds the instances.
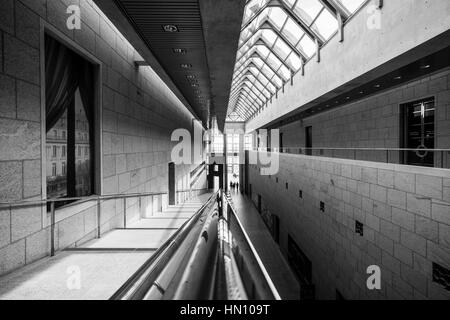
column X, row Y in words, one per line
column 278, row 37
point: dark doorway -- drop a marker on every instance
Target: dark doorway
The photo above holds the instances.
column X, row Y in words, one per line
column 259, row 204
column 281, row 143
column 172, row 191
column 418, row 121
column 276, row 228
column 216, row 176
column 308, row 141
column 302, row 268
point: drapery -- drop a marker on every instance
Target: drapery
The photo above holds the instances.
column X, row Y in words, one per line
column 65, row 72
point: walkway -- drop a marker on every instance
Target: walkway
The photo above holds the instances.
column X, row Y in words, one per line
column 267, row 248
column 99, row 268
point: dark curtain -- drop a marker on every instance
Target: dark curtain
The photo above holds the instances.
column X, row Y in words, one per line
column 86, row 82
column 66, row 72
column 62, row 79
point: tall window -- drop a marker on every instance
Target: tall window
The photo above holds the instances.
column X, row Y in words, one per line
column 418, row 135
column 233, row 143
column 70, row 99
column 217, row 142
column 248, row 142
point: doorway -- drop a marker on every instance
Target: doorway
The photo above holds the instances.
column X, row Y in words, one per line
column 172, row 191
column 308, row 141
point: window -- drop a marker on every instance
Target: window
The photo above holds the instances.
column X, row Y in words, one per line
column 418, row 132
column 216, row 140
column 69, row 122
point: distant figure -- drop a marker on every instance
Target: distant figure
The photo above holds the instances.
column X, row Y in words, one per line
column 231, row 185
column 237, row 186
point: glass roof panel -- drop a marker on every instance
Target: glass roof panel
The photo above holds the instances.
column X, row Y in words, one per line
column 281, row 49
column 269, row 36
column 308, row 10
column 277, row 17
column 292, row 31
column 351, row 5
column 307, row 45
column 294, row 61
column 289, row 3
column 252, row 8
column 273, row 42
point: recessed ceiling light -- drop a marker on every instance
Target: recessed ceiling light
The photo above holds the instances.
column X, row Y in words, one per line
column 179, row 51
column 186, row 65
column 170, row 28
column 425, row 66
column 361, row 92
column 348, row 98
column 397, row 77
column 377, row 86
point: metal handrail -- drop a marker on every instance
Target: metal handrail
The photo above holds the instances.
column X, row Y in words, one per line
column 138, row 284
column 98, row 199
column 357, row 149
column 89, row 198
column 273, row 289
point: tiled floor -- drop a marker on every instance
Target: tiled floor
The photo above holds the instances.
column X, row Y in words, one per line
column 98, row 269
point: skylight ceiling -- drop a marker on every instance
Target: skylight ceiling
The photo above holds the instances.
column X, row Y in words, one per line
column 278, row 37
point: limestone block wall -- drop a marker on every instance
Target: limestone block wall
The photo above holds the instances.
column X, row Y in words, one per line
column 139, row 114
column 374, row 122
column 405, row 212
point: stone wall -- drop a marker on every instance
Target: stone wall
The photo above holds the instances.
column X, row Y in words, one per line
column 139, row 114
column 405, row 212
column 374, row 122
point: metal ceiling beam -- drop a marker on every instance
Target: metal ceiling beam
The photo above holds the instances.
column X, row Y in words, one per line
column 250, row 92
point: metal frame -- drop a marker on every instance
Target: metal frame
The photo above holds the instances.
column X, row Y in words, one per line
column 244, row 62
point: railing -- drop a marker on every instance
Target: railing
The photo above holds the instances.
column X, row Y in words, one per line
column 143, row 283
column 254, row 276
column 75, row 201
column 209, row 257
column 439, row 158
column 184, row 195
